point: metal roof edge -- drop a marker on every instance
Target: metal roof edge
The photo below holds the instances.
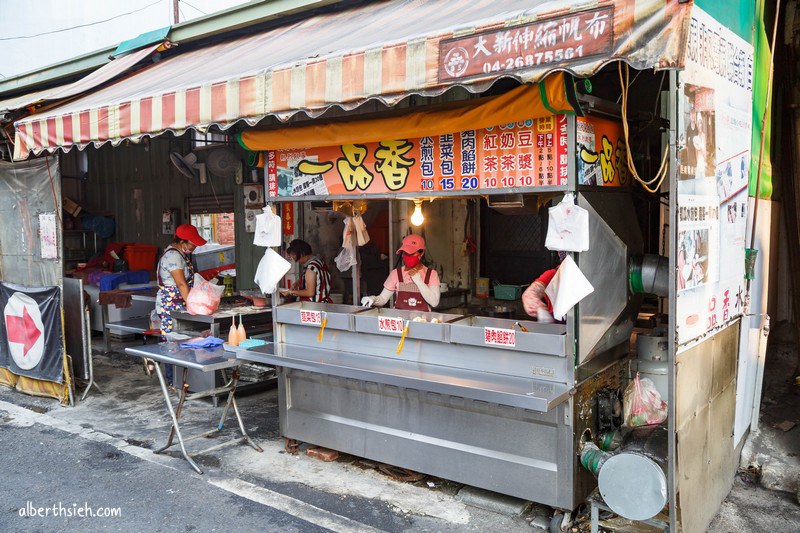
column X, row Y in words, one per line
column 51, row 74
column 237, row 17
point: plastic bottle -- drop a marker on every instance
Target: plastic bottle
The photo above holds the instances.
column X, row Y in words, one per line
column 233, row 334
column 241, row 335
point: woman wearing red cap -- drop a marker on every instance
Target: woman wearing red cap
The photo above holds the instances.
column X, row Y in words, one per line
column 416, row 286
column 175, row 275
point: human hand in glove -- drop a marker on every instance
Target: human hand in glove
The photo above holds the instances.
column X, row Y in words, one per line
column 367, row 301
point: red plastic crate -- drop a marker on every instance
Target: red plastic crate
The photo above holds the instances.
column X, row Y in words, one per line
column 140, row 256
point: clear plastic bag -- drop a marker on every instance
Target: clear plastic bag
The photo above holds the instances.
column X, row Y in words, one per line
column 347, row 256
column 203, row 297
column 155, row 320
column 643, row 404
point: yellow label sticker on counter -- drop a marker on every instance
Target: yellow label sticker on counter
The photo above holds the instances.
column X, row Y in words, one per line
column 402, row 339
column 322, row 329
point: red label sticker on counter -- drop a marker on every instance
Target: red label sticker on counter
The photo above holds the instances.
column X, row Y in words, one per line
column 390, row 324
column 500, row 336
column 311, row 317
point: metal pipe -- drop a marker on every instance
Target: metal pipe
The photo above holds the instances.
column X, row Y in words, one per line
column 767, row 107
column 640, row 461
column 675, row 113
column 649, row 274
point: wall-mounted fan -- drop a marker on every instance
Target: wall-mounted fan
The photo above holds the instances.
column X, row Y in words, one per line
column 188, row 166
column 225, row 164
column 220, row 162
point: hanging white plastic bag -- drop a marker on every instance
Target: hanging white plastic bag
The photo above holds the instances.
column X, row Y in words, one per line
column 268, row 229
column 347, row 257
column 204, row 296
column 568, row 226
column 361, row 230
column 344, row 260
column 271, row 269
column 568, row 287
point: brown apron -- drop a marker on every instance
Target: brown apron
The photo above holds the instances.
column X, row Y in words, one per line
column 408, row 296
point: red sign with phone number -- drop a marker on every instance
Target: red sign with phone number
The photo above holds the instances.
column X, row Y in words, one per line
column 551, row 41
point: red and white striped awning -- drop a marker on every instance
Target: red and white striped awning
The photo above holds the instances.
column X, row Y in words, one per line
column 382, row 50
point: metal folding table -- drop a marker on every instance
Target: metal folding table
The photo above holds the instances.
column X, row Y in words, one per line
column 204, row 360
column 132, row 325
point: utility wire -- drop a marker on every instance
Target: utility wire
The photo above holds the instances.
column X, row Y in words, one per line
column 80, row 25
column 196, row 9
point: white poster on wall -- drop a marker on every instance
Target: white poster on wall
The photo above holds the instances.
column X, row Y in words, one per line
column 48, row 237
column 717, row 92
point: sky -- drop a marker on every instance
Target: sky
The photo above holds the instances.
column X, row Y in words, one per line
column 130, row 18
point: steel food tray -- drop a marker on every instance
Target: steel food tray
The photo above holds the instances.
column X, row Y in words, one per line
column 370, row 322
column 340, row 316
column 549, row 339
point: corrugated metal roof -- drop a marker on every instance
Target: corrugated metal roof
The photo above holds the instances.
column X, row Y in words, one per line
column 383, row 50
column 98, row 77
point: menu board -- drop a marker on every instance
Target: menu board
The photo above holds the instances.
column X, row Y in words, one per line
column 527, row 154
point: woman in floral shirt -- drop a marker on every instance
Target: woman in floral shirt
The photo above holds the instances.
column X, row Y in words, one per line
column 175, row 275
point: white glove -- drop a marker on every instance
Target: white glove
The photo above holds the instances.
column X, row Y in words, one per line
column 543, row 316
column 367, row 301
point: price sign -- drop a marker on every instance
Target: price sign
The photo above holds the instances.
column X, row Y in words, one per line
column 311, row 317
column 390, row 324
column 500, row 336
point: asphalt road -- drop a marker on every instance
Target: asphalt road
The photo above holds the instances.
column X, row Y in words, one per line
column 55, row 470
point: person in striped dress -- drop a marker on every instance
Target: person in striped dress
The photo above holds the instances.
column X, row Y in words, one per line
column 315, row 283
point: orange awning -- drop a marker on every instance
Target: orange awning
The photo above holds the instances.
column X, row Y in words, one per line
column 554, row 95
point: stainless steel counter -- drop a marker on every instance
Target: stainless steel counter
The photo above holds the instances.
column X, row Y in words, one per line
column 259, row 318
column 526, row 393
column 202, row 359
column 256, row 320
column 472, row 399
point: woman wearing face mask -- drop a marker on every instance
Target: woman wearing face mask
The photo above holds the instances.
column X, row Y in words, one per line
column 175, row 275
column 416, row 286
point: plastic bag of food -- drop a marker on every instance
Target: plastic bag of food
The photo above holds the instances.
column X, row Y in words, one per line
column 204, row 296
column 643, row 404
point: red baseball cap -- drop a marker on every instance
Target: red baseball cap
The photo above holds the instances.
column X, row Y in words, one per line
column 187, row 232
column 412, row 244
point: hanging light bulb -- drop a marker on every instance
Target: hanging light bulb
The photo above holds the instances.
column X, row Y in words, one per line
column 417, row 218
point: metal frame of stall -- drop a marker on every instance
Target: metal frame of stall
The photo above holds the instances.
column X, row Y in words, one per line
column 546, row 407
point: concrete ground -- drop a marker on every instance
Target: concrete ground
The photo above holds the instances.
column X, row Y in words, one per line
column 351, row 494
column 766, row 493
column 346, row 494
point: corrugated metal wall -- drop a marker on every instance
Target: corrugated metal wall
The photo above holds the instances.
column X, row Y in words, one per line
column 137, row 182
column 26, row 191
